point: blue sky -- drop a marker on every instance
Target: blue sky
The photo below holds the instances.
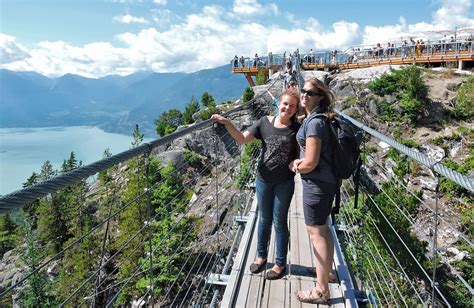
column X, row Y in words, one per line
column 95, row 38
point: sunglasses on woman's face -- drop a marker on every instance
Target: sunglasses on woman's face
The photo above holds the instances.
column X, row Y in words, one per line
column 310, row 93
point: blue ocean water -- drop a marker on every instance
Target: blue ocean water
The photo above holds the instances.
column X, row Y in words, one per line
column 24, row 150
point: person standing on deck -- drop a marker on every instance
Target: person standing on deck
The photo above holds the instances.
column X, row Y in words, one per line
column 275, row 181
column 319, row 183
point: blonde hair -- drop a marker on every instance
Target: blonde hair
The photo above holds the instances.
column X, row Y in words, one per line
column 329, row 98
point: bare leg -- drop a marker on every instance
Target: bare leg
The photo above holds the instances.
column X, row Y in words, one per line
column 323, row 248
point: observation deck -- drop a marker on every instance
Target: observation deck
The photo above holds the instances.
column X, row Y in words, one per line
column 460, row 54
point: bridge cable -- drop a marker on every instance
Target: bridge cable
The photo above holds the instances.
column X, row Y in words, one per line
column 406, row 247
column 352, row 222
column 392, row 254
column 453, row 270
column 422, row 202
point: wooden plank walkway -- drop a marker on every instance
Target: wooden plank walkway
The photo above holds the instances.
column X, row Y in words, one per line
column 252, row 290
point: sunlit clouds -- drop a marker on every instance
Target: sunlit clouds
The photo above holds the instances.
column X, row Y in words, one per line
column 128, row 19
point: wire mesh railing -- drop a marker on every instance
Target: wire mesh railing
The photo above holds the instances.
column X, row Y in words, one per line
column 393, row 237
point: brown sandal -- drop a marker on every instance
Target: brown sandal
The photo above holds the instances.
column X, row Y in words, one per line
column 313, row 296
column 332, row 276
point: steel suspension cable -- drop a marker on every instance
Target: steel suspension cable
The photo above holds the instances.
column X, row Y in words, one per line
column 376, row 276
column 396, row 259
column 407, row 249
column 448, row 223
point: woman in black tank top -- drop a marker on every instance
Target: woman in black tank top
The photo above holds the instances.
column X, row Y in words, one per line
column 275, row 181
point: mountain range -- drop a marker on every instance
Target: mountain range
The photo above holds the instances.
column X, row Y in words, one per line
column 113, row 103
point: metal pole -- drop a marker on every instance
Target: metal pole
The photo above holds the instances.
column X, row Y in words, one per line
column 435, row 243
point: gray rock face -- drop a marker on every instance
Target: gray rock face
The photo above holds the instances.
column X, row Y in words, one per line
column 373, row 107
column 364, row 92
column 453, row 86
column 390, row 99
column 344, row 88
column 176, row 157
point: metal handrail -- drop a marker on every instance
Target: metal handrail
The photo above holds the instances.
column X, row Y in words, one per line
column 458, row 178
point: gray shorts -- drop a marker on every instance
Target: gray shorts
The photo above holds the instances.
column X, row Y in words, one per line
column 317, row 201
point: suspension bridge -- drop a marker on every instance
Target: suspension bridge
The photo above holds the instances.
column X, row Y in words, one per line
column 212, row 269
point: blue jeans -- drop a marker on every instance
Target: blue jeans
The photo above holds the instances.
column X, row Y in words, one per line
column 273, row 201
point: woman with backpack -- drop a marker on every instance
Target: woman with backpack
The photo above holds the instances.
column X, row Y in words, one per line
column 319, row 182
column 275, row 181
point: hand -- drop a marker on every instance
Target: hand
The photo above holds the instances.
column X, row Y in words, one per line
column 294, row 165
column 220, row 119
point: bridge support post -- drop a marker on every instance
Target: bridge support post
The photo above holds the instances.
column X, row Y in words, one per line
column 461, row 64
column 250, row 80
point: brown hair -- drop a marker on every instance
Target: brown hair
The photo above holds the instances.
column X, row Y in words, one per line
column 327, row 102
column 293, row 94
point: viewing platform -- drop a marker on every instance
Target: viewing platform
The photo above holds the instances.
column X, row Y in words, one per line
column 460, row 54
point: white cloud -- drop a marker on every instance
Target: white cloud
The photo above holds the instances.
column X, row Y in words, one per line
column 163, row 17
column 129, row 19
column 246, row 7
column 243, row 8
column 160, row 2
column 454, row 13
column 10, row 51
column 208, row 39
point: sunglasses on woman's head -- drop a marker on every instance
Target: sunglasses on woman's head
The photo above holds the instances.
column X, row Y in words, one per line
column 310, row 93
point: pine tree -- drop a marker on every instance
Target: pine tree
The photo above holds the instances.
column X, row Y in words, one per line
column 261, row 77
column 47, row 171
column 248, row 94
column 168, row 122
column 207, row 100
column 132, row 220
column 137, row 136
column 38, row 290
column 7, row 228
column 191, row 108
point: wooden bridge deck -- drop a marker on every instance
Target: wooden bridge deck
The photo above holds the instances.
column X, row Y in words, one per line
column 252, row 290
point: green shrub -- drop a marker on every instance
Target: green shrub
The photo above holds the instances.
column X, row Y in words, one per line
column 248, row 94
column 208, row 112
column 261, row 77
column 449, row 187
column 247, row 162
column 385, row 84
column 388, row 111
column 193, row 159
column 411, row 107
column 407, row 85
column 464, row 108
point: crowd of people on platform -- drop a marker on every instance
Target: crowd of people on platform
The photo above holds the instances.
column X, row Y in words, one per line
column 410, row 48
column 403, row 48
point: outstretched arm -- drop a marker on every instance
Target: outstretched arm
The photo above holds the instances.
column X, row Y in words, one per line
column 238, row 136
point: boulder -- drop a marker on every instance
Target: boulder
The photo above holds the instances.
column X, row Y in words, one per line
column 453, row 86
column 344, row 88
column 373, row 106
column 432, row 151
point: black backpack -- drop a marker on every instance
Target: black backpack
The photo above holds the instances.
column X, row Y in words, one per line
column 345, row 139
